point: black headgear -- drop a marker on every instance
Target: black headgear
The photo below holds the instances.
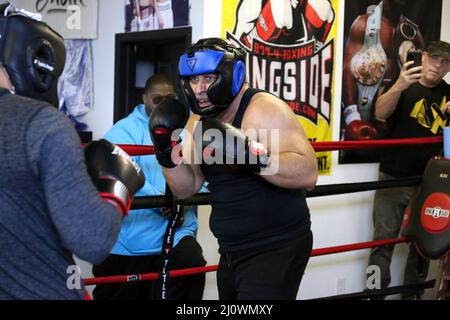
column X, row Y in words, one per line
column 213, row 55
column 33, row 55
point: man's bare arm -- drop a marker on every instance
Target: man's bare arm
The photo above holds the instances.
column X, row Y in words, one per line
column 293, row 163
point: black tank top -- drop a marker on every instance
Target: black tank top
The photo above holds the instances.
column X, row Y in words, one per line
column 248, row 211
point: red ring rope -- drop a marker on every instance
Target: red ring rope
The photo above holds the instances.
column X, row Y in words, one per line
column 138, row 150
column 362, row 144
column 191, row 271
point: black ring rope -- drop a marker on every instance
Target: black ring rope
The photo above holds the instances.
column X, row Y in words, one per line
column 319, row 191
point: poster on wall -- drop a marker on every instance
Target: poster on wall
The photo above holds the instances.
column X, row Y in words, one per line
column 290, row 48
column 143, row 15
column 76, row 19
column 377, row 37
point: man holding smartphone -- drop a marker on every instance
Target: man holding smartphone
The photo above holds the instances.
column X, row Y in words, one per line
column 417, row 105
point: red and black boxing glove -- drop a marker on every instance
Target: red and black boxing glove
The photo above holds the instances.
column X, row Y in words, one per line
column 165, row 125
column 116, row 176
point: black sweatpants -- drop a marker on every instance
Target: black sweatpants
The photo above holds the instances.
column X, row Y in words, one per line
column 273, row 272
column 186, row 254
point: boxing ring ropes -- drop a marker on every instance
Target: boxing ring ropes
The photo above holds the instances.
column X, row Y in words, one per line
column 319, row 191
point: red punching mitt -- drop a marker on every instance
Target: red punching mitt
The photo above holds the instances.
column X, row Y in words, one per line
column 427, row 218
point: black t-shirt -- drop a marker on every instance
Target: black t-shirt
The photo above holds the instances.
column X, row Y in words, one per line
column 417, row 115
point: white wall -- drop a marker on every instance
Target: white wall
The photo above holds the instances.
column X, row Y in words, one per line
column 336, row 220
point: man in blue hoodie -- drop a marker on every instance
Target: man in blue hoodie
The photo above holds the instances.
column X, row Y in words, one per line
column 138, row 249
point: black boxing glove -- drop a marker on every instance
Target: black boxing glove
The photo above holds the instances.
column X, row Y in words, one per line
column 116, row 176
column 167, row 117
column 223, row 142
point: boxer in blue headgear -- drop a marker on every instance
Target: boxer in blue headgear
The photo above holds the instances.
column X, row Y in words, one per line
column 32, row 53
column 253, row 152
column 213, row 55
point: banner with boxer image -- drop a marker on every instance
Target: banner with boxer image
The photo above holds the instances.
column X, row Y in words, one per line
column 377, row 38
column 290, row 48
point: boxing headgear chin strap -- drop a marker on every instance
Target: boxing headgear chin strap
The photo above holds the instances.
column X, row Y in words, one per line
column 33, row 54
column 213, row 55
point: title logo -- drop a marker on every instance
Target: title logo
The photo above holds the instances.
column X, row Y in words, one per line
column 437, row 212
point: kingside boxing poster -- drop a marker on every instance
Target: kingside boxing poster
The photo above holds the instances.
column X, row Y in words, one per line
column 290, row 48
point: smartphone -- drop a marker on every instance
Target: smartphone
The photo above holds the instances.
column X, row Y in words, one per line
column 415, row 56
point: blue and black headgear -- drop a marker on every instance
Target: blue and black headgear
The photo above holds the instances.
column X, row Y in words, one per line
column 213, row 55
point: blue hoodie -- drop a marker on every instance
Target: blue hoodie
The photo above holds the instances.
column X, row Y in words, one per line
column 142, row 230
